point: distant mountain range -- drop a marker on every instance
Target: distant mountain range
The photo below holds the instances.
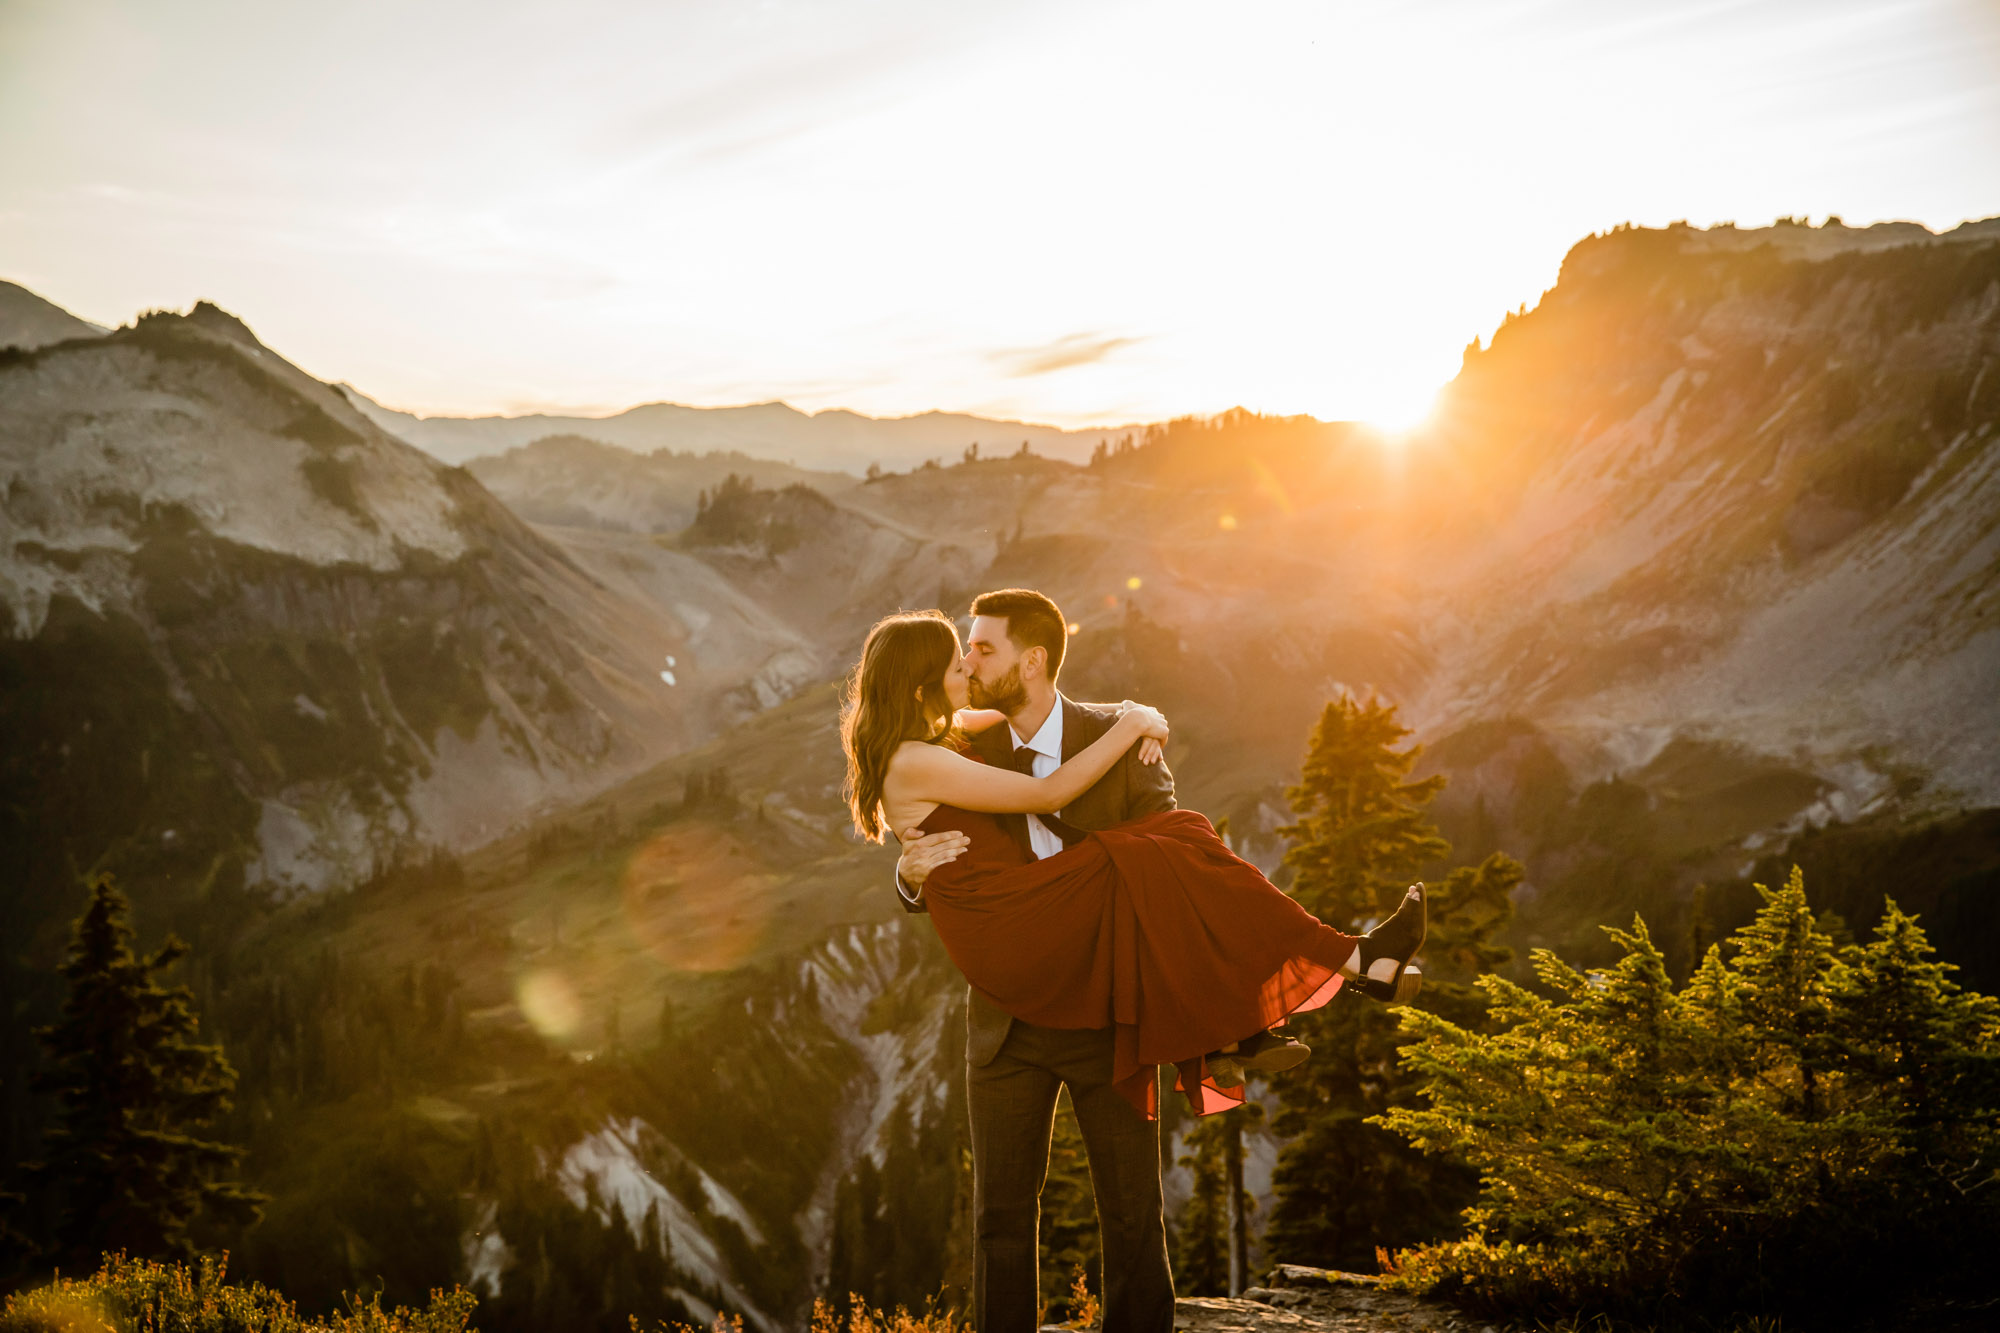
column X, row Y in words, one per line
column 832, row 440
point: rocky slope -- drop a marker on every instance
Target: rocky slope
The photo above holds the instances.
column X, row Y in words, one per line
column 1739, row 491
column 28, row 322
column 252, row 635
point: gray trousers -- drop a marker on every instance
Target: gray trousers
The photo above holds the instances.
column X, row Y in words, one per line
column 1012, row 1101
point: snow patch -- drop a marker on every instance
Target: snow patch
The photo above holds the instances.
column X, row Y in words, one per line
column 612, row 1163
column 486, row 1254
column 314, row 840
column 847, row 973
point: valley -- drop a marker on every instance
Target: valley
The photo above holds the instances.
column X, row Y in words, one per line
column 500, row 804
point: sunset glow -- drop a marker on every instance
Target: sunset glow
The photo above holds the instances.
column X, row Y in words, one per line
column 1076, row 213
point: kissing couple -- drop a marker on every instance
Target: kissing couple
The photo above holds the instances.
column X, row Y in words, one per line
column 1104, row 932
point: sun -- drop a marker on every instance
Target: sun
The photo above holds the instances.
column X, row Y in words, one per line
column 1397, row 407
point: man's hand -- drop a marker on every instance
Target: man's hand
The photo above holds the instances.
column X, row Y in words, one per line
column 922, row 854
column 1154, row 747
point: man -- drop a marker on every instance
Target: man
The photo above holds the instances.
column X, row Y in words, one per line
column 1015, row 1070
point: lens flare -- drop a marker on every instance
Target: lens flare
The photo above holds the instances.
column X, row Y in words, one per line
column 1134, row 583
column 1270, row 487
column 549, row 1003
column 696, row 899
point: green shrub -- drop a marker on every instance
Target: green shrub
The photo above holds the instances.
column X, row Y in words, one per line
column 1795, row 1110
column 138, row 1296
column 859, row 1317
column 1500, row 1277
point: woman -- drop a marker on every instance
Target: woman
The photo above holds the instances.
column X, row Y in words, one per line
column 1153, row 928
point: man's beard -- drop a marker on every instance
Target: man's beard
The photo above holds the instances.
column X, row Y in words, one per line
column 1007, row 694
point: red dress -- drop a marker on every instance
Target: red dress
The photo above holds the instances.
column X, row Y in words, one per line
column 1154, row 928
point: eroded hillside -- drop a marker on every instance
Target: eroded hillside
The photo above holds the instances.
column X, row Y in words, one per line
column 252, row 636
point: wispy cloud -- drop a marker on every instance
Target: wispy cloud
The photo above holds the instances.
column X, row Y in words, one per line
column 1077, row 349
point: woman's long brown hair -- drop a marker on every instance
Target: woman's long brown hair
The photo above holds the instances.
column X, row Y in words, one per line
column 896, row 694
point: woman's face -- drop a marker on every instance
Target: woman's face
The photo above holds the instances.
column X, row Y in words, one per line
column 957, row 684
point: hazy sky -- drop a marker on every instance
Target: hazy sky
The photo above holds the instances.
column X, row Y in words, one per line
column 1078, row 211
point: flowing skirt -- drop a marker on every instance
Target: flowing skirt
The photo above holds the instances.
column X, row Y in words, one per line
column 1154, row 928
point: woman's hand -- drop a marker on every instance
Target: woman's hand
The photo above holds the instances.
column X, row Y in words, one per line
column 1151, row 725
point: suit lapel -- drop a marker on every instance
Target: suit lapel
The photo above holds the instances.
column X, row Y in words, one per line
column 992, row 744
column 995, row 745
column 1098, row 807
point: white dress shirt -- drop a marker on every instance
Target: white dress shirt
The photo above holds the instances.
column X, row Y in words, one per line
column 1047, row 745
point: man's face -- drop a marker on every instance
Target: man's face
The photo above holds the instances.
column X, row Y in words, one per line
column 994, row 664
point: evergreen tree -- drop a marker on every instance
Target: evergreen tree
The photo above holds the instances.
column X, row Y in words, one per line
column 1362, row 833
column 1344, row 1186
column 1922, row 1051
column 1069, row 1209
column 1201, row 1238
column 1782, row 964
column 1211, row 1237
column 123, row 1167
column 1792, row 1111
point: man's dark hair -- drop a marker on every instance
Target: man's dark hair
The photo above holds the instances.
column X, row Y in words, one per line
column 1033, row 621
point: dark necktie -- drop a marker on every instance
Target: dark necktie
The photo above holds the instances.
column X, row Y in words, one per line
column 1022, row 760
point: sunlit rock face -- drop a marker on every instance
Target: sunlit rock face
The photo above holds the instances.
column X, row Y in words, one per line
column 247, row 629
column 1742, row 484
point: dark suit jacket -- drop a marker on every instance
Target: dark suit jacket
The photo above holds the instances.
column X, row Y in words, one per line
column 1131, row 790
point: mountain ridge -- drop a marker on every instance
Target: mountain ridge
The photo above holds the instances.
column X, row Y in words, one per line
column 832, row 438
column 28, row 321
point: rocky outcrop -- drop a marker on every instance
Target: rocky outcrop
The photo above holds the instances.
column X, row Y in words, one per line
column 1297, row 1299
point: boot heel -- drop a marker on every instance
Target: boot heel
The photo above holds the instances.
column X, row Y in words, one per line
column 1395, row 942
column 1400, row 991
